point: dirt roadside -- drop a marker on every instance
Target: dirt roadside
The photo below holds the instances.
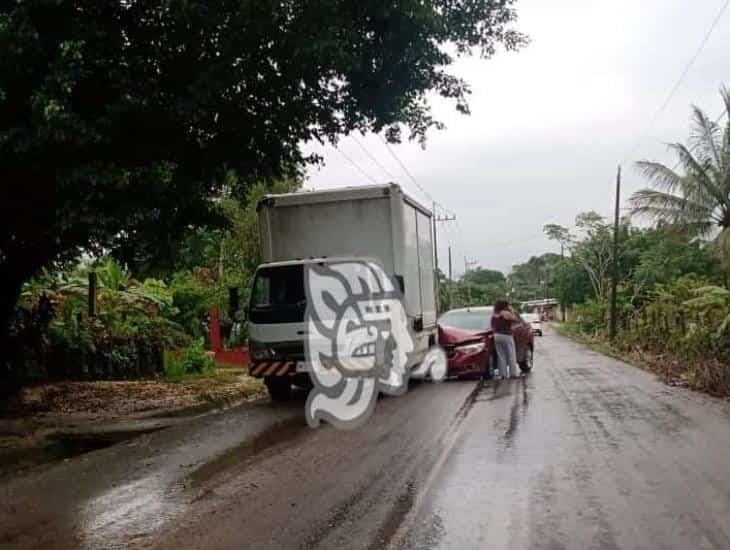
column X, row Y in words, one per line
column 55, row 421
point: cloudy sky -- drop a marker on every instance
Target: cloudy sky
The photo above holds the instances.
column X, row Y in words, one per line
column 550, row 123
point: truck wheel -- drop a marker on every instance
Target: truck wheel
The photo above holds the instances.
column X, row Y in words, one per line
column 279, row 387
column 527, row 362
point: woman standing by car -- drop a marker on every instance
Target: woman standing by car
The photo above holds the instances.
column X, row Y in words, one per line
column 502, row 318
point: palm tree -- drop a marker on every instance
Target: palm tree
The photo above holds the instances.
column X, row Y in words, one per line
column 696, row 201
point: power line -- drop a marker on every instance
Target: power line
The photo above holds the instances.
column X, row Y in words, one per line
column 412, row 178
column 688, row 66
column 682, row 76
column 403, row 166
column 356, row 165
column 372, row 157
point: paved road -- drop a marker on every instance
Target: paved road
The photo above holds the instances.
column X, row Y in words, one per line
column 586, row 452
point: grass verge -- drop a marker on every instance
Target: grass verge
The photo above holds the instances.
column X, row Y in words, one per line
column 708, row 376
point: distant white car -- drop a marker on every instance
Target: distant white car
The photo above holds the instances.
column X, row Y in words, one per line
column 535, row 322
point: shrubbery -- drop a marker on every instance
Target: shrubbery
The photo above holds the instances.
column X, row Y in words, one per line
column 193, row 360
column 682, row 330
column 591, row 317
column 56, row 338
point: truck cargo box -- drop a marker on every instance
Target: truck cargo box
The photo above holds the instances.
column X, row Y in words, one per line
column 379, row 222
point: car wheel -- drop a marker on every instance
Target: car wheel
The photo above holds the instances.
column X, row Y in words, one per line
column 279, row 387
column 527, row 363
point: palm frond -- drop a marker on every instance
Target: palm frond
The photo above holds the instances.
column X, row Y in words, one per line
column 697, row 184
column 706, row 140
column 725, row 93
column 662, row 176
column 696, row 201
column 680, row 213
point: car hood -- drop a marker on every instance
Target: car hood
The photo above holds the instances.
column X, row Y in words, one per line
column 451, row 335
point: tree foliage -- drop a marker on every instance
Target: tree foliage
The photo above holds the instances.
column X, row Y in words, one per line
column 532, row 279
column 121, row 119
column 477, row 287
column 648, row 257
column 212, row 261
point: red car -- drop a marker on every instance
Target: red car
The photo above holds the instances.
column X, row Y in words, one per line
column 466, row 336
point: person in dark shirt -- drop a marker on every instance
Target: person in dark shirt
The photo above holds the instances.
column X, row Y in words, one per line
column 502, row 318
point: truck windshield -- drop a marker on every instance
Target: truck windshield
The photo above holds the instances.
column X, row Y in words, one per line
column 278, row 295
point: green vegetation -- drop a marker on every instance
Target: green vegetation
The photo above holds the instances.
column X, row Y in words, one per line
column 673, row 297
column 140, row 326
column 475, row 288
column 125, row 339
column 194, row 360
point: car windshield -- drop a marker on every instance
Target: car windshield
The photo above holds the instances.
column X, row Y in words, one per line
column 531, row 317
column 478, row 319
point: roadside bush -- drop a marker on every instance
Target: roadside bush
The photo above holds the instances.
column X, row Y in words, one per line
column 590, row 317
column 682, row 331
column 196, row 359
column 193, row 360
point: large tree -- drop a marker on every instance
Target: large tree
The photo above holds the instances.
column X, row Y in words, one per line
column 118, row 118
column 591, row 248
column 533, row 279
column 697, row 199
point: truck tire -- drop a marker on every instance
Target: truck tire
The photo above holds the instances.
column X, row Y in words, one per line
column 279, row 387
column 527, row 362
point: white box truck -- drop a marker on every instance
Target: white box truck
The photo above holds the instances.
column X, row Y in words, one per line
column 375, row 222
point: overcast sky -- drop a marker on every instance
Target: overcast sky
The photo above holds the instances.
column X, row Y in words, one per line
column 550, row 123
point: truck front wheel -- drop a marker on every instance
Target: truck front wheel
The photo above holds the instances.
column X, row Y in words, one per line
column 279, row 387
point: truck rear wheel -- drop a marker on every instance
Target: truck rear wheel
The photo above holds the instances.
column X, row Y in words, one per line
column 279, row 387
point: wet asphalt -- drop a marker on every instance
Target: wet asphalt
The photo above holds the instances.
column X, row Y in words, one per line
column 585, row 452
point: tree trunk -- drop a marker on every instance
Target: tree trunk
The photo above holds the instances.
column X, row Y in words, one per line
column 28, row 239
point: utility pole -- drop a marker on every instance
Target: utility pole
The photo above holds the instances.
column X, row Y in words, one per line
column 614, row 278
column 436, row 220
column 450, row 278
column 467, row 267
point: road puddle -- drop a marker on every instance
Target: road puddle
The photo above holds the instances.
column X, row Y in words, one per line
column 128, row 512
column 286, row 432
column 18, row 457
